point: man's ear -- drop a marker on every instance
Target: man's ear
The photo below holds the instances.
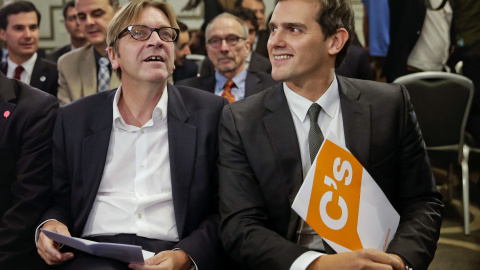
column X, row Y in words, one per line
column 248, row 45
column 338, row 40
column 2, row 34
column 113, row 58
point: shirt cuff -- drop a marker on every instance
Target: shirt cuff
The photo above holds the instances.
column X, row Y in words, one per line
column 37, row 231
column 194, row 265
column 302, row 262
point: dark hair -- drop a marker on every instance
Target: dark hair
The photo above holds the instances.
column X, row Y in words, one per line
column 69, row 4
column 15, row 7
column 246, row 15
column 183, row 27
column 238, row 3
column 333, row 15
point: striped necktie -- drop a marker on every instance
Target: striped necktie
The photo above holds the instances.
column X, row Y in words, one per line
column 103, row 74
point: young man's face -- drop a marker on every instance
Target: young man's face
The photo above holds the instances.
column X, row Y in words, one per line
column 149, row 60
column 182, row 49
column 93, row 17
column 227, row 59
column 258, row 8
column 21, row 35
column 71, row 24
column 297, row 47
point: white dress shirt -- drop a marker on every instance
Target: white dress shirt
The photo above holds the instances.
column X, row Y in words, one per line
column 329, row 120
column 135, row 193
column 26, row 74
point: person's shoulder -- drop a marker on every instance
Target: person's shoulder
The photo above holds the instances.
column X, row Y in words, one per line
column 372, row 90
column 258, row 101
column 193, row 81
column 266, row 78
column 73, row 56
column 32, row 97
column 90, row 103
column 191, row 93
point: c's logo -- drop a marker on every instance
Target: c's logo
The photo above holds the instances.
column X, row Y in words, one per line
column 335, row 198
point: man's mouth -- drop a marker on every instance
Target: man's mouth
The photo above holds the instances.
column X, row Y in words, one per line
column 153, row 58
column 282, row 57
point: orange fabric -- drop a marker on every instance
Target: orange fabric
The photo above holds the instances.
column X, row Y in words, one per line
column 227, row 91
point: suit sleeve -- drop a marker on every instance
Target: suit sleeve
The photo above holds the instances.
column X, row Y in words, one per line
column 64, row 92
column 59, row 208
column 244, row 213
column 202, row 244
column 420, row 207
column 30, row 191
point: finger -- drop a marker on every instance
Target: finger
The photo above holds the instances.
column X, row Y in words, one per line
column 384, row 258
column 157, row 259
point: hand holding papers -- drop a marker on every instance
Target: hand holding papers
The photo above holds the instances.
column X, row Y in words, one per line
column 343, row 204
column 121, row 252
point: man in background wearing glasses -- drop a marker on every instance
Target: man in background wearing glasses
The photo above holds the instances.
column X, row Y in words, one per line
column 86, row 71
column 227, row 48
column 135, row 165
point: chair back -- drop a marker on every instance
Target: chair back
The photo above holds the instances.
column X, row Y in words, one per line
column 442, row 103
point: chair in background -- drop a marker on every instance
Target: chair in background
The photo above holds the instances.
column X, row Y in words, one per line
column 442, row 103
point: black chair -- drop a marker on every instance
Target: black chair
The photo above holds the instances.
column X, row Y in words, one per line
column 442, row 103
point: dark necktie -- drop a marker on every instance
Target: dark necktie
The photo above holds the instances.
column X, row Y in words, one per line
column 315, row 140
column 315, row 136
column 18, row 71
column 227, row 91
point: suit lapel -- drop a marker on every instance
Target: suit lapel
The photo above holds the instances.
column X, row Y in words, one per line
column 182, row 138
column 38, row 77
column 356, row 121
column 208, row 83
column 283, row 137
column 4, row 68
column 252, row 83
column 95, row 148
column 88, row 74
column 7, row 94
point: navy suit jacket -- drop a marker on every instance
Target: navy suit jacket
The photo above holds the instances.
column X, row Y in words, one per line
column 80, row 145
column 260, row 172
column 27, row 116
column 254, row 83
column 44, row 75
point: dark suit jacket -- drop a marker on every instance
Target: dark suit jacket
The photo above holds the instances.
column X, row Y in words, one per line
column 258, row 63
column 56, row 53
column 188, row 70
column 356, row 64
column 261, row 48
column 254, row 83
column 25, row 169
column 44, row 75
column 261, row 172
column 80, row 145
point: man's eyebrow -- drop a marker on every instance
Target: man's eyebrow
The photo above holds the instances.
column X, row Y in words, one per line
column 288, row 25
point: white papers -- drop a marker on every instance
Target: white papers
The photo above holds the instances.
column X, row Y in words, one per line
column 121, row 252
column 343, row 204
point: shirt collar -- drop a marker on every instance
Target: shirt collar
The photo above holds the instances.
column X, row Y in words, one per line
column 27, row 65
column 329, row 101
column 159, row 113
column 238, row 80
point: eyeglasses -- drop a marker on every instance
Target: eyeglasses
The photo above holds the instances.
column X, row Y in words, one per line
column 142, row 32
column 231, row 40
